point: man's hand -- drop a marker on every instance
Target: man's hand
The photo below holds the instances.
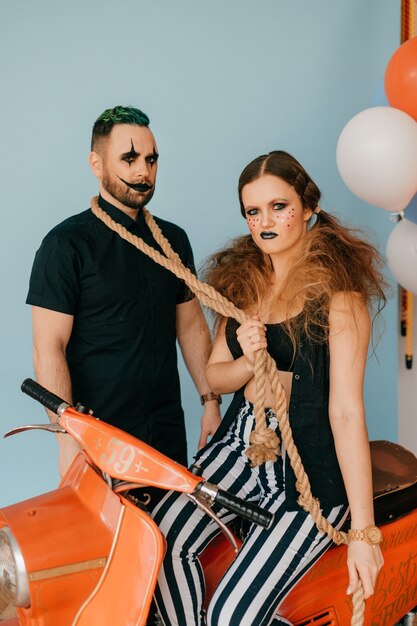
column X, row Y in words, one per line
column 209, row 422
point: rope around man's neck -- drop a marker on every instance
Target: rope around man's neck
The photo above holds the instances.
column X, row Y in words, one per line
column 264, row 441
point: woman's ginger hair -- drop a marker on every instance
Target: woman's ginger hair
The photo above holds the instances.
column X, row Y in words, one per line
column 333, row 259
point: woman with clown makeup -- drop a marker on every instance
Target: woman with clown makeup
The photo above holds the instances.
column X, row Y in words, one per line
column 309, row 287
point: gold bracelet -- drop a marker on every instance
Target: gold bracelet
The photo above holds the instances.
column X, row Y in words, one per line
column 206, row 397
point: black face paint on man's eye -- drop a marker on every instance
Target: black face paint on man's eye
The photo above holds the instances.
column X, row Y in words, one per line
column 131, row 155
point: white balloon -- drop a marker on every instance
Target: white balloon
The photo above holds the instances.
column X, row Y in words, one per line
column 402, row 254
column 377, row 157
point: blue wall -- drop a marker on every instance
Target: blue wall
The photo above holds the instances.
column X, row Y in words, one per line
column 222, row 82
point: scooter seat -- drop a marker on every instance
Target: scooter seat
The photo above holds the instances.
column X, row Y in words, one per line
column 394, row 474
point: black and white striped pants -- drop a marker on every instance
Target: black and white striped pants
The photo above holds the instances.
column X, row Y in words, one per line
column 270, row 562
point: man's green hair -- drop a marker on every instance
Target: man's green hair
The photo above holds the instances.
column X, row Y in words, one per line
column 117, row 115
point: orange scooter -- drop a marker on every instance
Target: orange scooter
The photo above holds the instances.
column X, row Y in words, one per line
column 86, row 555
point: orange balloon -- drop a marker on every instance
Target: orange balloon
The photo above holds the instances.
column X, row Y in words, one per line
column 401, row 78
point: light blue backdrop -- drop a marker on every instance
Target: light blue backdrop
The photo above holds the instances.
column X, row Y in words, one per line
column 222, row 82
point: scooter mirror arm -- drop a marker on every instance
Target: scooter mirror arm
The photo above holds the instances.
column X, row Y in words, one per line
column 205, row 507
column 51, row 427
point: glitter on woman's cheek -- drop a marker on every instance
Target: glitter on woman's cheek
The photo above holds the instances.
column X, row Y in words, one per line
column 290, row 217
column 287, row 218
column 252, row 221
column 281, row 218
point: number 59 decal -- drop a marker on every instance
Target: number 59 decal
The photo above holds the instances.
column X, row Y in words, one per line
column 120, row 456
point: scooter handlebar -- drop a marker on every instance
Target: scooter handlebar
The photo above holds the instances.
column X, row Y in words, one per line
column 46, row 398
column 248, row 510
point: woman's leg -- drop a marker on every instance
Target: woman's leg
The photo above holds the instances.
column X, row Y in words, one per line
column 269, row 565
column 180, row 592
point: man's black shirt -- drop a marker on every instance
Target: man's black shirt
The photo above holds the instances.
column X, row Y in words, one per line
column 122, row 351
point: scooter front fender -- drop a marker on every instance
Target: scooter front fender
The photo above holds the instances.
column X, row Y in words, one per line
column 129, row 577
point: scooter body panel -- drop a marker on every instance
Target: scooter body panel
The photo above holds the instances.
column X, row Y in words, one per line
column 62, row 527
column 80, row 541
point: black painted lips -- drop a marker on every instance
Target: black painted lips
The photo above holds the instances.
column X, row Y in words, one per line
column 268, row 235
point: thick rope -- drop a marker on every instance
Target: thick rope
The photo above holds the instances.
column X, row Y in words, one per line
column 264, row 441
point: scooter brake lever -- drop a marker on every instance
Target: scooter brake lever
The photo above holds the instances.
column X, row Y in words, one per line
column 202, row 504
column 52, row 428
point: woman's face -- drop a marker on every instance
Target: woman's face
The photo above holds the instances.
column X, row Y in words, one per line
column 275, row 215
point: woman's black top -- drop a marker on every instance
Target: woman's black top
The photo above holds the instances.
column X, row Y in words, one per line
column 308, row 416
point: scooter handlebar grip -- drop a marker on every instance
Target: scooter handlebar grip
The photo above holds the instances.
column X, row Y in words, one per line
column 250, row 511
column 48, row 399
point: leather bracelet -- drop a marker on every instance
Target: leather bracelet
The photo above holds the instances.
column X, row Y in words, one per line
column 206, row 397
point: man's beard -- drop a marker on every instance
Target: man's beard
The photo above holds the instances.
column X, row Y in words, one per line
column 128, row 197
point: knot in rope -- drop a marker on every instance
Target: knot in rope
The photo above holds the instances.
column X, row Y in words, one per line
column 264, row 445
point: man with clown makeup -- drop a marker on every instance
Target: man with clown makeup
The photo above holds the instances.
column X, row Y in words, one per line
column 106, row 317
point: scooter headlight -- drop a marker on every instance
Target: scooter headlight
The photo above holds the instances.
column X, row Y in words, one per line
column 14, row 585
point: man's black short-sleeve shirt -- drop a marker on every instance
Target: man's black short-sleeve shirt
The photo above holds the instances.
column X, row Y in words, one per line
column 122, row 350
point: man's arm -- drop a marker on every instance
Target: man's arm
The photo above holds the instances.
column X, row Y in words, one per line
column 51, row 333
column 195, row 343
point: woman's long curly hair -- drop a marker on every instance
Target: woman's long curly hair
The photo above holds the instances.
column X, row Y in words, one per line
column 333, row 259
